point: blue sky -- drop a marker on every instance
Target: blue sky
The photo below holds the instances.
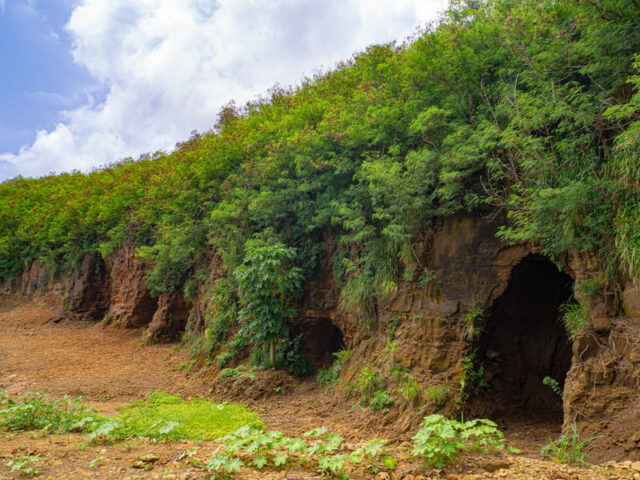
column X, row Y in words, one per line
column 38, row 77
column 84, row 83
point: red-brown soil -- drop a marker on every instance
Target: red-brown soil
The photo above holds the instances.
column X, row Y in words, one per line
column 109, row 367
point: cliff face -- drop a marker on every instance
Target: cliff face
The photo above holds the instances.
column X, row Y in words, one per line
column 84, row 294
column 487, row 329
column 493, row 311
column 131, row 303
column 602, row 391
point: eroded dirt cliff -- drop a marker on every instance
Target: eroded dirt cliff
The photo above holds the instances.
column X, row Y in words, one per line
column 486, row 328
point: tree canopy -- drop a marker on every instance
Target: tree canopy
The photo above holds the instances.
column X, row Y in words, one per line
column 518, row 106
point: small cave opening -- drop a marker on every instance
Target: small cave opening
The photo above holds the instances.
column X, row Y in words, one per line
column 320, row 340
column 522, row 342
column 143, row 310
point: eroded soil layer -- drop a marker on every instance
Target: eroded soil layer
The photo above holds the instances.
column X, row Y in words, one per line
column 109, row 367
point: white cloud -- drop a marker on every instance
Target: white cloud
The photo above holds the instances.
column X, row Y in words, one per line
column 169, row 65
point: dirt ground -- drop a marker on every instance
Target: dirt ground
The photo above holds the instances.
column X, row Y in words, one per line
column 108, row 367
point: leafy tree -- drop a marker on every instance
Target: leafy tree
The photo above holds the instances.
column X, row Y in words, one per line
column 266, row 280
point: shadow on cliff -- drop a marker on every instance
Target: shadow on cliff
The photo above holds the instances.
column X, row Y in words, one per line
column 522, row 342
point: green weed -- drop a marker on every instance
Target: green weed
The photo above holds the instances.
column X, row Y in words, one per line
column 239, row 372
column 235, row 347
column 381, row 399
column 97, row 462
column 587, row 289
column 26, row 465
column 438, row 394
column 553, row 384
column 394, row 323
column 426, row 277
column 369, row 381
column 36, row 411
column 409, row 389
column 326, row 452
column 472, row 377
column 288, row 356
column 343, row 355
column 471, row 322
column 574, row 317
column 440, row 440
column 567, row 449
column 331, row 375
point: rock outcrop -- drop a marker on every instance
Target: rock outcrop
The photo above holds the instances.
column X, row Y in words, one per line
column 131, row 303
column 169, row 319
column 33, row 280
column 87, row 292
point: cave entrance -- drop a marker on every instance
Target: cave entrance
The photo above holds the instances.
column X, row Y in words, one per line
column 524, row 341
column 320, row 340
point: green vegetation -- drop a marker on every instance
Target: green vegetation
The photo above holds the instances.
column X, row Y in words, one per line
column 553, row 384
column 254, row 447
column 370, row 380
column 266, row 280
column 331, row 375
column 372, row 385
column 222, row 300
column 438, row 394
column 574, row 317
column 243, row 441
column 164, row 416
column 160, row 416
column 440, row 440
column 472, row 320
column 529, row 108
column 36, row 411
column 472, row 375
column 27, row 465
column 97, row 462
column 240, row 372
column 380, row 400
column 567, row 449
column 409, row 389
column 233, row 349
column 288, row 356
column 394, row 323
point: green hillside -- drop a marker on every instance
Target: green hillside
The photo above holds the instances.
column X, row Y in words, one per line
column 528, row 107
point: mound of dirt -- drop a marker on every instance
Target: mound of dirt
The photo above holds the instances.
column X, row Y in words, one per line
column 259, row 385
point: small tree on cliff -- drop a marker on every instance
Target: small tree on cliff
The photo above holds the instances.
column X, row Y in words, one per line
column 266, row 280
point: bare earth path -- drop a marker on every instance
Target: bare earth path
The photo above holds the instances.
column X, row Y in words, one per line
column 108, row 367
column 79, row 359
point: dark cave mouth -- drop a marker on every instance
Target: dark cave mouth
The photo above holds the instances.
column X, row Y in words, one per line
column 320, row 340
column 522, row 343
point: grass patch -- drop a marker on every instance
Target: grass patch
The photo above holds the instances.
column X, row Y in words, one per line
column 167, row 416
column 161, row 416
